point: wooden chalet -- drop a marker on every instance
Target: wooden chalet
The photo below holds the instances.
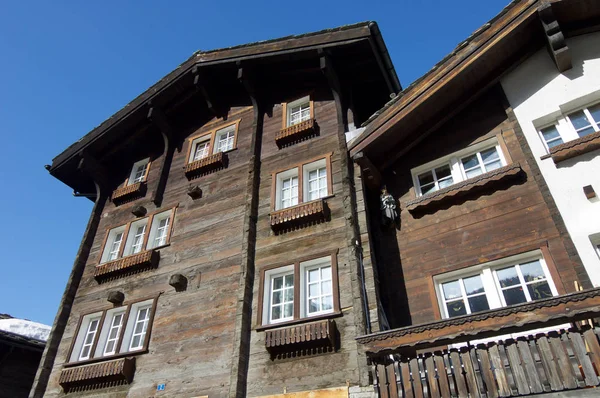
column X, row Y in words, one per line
column 249, row 238
column 220, row 258
column 479, row 281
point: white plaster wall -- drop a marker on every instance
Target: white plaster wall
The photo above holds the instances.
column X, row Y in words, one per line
column 535, row 90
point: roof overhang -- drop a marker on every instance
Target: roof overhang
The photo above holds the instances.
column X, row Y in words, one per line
column 178, row 85
column 473, row 67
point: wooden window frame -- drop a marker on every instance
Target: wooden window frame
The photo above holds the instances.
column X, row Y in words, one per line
column 285, row 105
column 297, row 318
column 146, row 235
column 149, row 163
column 488, row 270
column 93, row 358
column 300, row 170
column 211, row 135
column 454, row 161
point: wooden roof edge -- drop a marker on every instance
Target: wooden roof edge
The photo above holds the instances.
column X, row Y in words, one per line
column 463, row 52
column 333, row 35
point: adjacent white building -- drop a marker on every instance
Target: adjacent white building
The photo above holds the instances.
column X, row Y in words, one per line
column 555, row 108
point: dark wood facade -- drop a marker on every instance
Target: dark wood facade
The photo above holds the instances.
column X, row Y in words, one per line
column 205, row 336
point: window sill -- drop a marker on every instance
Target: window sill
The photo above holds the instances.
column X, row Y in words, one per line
column 314, row 337
column 206, row 165
column 296, row 216
column 106, row 358
column 127, row 265
column 129, row 193
column 109, row 370
column 431, row 200
column 330, row 315
column 296, row 133
column 574, row 148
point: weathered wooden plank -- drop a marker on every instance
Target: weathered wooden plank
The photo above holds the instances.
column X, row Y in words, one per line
column 568, row 346
column 459, row 375
column 407, row 384
column 593, row 346
column 430, row 373
column 391, row 379
column 383, row 381
column 539, row 368
column 441, row 368
column 498, row 367
column 469, row 364
column 549, row 363
column 510, row 379
column 584, row 361
column 491, row 387
column 564, row 364
column 529, row 366
column 416, row 378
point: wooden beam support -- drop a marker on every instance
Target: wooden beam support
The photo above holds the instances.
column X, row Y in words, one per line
column 157, row 117
column 96, row 171
column 370, row 172
column 200, row 84
column 555, row 39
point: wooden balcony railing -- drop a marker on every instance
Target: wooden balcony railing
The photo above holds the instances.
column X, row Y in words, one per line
column 297, row 132
column 130, row 264
column 556, row 361
column 206, row 165
column 98, row 374
column 314, row 335
column 302, row 214
column 576, row 147
column 128, row 193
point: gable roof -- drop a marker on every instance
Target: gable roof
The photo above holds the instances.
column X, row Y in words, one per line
column 475, row 64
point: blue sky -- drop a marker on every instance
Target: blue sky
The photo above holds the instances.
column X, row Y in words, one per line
column 68, row 66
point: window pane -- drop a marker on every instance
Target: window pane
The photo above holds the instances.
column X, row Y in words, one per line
column 426, row 178
column 508, row 276
column 579, row 120
column 277, row 283
column 288, row 310
column 551, row 136
column 489, row 155
column 327, row 303
column 473, row 285
column 289, row 295
column 514, row 295
column 451, row 290
column 586, row 131
column 277, row 297
column 456, row 308
column 443, row 171
column 314, row 305
column 313, row 290
column 313, row 275
column 470, row 162
column 276, row 314
column 539, row 290
column 493, row 165
column 289, row 280
column 135, row 342
column 427, row 188
column 532, row 271
column 595, row 111
column 446, row 183
column 326, row 273
column 479, row 303
column 474, row 172
column 326, row 287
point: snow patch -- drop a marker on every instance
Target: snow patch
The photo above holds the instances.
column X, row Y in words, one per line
column 25, row 328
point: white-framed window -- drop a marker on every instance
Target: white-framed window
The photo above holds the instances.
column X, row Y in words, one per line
column 224, row 139
column 139, row 171
column 314, row 287
column 112, row 248
column 140, row 236
column 89, row 338
column 315, row 183
column 571, row 126
column 459, row 166
column 200, row 148
column 118, row 333
column 315, row 180
column 159, row 232
column 219, row 139
column 135, row 238
column 513, row 280
column 298, row 111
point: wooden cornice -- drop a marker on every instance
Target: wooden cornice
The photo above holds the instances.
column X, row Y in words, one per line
column 546, row 312
column 557, row 47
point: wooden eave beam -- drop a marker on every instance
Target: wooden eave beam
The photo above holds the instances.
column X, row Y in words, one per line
column 96, row 171
column 200, row 84
column 466, row 56
column 157, row 117
column 555, row 39
column 370, row 172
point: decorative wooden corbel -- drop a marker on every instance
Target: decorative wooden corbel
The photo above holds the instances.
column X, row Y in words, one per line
column 555, row 39
column 97, row 172
column 326, row 66
column 369, row 171
column 200, row 84
column 158, row 119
